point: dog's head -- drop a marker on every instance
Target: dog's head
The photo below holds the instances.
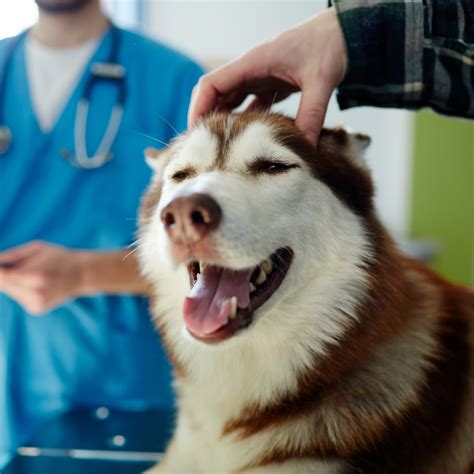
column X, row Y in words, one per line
column 244, row 214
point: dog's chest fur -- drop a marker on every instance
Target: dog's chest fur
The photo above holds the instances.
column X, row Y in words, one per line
column 208, row 406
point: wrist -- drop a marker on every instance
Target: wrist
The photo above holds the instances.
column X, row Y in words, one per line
column 85, row 273
column 340, row 44
column 327, row 26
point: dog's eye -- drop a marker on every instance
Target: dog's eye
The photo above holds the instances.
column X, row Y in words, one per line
column 266, row 166
column 181, row 175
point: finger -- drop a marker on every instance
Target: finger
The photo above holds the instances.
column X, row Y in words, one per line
column 15, row 277
column 33, row 302
column 224, row 80
column 16, row 293
column 312, row 110
column 16, row 254
column 203, row 100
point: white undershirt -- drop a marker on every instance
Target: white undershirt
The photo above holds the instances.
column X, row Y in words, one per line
column 53, row 74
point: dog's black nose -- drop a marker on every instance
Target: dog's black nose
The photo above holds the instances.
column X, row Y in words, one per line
column 189, row 219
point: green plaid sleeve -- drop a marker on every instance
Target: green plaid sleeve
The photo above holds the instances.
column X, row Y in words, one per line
column 409, row 54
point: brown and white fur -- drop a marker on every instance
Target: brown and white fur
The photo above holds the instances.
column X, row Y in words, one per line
column 361, row 361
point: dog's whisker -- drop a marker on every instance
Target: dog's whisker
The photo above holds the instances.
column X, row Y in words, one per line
column 136, row 244
column 161, row 142
column 274, row 99
column 136, row 241
column 169, row 124
column 131, row 252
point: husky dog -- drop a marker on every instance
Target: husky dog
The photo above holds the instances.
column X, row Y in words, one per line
column 302, row 340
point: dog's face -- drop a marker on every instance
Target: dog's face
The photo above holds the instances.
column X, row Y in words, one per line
column 243, row 213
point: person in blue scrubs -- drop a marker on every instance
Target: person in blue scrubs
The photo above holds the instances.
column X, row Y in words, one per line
column 64, row 232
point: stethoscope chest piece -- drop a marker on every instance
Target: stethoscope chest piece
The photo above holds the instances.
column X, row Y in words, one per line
column 5, row 139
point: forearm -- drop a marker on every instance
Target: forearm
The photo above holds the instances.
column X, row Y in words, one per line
column 408, row 55
column 109, row 272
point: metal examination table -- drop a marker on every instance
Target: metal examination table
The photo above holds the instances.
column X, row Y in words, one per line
column 95, row 441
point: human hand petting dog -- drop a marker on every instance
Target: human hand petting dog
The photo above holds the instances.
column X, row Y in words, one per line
column 310, row 58
column 40, row 276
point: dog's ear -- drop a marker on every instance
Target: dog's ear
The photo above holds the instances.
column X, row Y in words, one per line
column 157, row 159
column 358, row 143
column 344, row 139
column 342, row 166
column 152, row 156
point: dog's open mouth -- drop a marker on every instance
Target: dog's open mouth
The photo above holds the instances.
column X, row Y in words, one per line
column 222, row 301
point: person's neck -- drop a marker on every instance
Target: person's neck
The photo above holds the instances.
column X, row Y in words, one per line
column 63, row 30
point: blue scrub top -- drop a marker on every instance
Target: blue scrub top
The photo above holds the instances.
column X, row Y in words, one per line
column 95, row 350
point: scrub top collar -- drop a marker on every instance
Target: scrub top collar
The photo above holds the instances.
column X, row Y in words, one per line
column 62, row 127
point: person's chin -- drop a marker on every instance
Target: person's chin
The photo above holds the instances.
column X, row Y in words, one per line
column 61, row 6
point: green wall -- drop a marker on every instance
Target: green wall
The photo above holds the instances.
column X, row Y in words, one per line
column 442, row 191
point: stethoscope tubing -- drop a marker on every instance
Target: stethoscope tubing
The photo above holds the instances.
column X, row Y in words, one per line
column 103, row 153
column 8, row 57
column 5, row 132
column 110, row 71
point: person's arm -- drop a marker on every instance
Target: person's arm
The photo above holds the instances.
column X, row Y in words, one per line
column 110, row 272
column 40, row 276
column 408, row 54
column 397, row 53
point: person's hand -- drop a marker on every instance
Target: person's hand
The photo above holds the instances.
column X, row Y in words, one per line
column 310, row 58
column 40, row 276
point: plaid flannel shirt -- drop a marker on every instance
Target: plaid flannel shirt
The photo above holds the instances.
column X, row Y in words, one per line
column 409, row 53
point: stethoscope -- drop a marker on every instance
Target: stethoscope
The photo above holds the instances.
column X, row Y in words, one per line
column 110, row 71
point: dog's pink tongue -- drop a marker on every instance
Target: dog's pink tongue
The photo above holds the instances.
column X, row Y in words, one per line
column 207, row 308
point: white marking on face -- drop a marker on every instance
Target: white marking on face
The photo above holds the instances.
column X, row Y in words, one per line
column 198, row 150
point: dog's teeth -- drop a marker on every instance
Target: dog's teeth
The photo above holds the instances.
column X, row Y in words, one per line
column 198, row 275
column 252, row 287
column 261, row 277
column 233, row 308
column 202, row 265
column 267, row 266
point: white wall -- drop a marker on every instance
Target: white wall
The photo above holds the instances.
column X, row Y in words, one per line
column 125, row 13
column 220, row 30
column 15, row 16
